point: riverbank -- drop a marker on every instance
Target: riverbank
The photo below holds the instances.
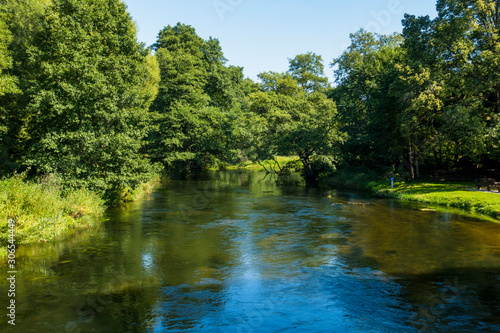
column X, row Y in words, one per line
column 43, row 210
column 450, row 194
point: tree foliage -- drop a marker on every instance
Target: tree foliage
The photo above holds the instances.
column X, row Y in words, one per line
column 367, row 109
column 8, row 85
column 20, row 21
column 287, row 121
column 198, row 101
column 428, row 99
column 89, row 93
column 309, row 72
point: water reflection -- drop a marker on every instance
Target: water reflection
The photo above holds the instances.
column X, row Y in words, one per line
column 234, row 252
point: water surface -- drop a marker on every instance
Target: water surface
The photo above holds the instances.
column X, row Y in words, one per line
column 234, row 252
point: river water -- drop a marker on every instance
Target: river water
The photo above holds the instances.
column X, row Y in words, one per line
column 235, row 252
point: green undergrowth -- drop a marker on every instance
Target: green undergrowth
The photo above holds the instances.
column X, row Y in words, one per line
column 43, row 210
column 450, row 194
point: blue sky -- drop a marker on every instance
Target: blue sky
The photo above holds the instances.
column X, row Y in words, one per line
column 260, row 35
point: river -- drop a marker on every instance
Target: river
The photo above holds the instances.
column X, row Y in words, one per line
column 235, row 252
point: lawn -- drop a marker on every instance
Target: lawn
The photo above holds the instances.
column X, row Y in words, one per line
column 462, row 195
column 450, row 194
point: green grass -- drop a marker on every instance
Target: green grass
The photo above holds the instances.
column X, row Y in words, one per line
column 42, row 211
column 269, row 164
column 449, row 194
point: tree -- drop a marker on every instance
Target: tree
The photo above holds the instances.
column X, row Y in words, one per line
column 89, row 96
column 8, row 82
column 197, row 103
column 280, row 83
column 8, row 85
column 428, row 98
column 20, row 22
column 309, row 72
column 287, row 121
column 450, row 81
column 365, row 73
column 468, row 36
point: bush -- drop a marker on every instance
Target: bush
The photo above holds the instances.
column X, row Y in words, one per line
column 323, row 166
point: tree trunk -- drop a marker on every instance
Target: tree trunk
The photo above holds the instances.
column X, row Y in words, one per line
column 308, row 172
column 412, row 171
column 417, row 168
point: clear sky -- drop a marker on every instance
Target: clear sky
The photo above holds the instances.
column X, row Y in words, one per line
column 260, row 35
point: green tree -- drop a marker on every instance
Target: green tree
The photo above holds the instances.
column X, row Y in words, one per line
column 423, row 88
column 8, row 85
column 225, row 84
column 468, row 37
column 365, row 74
column 89, row 96
column 287, row 121
column 450, row 82
column 197, row 104
column 8, row 82
column 20, row 22
column 309, row 72
column 280, row 83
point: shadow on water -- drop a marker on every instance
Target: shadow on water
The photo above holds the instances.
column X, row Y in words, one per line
column 237, row 252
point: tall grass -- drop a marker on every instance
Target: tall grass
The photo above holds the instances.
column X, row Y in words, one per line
column 42, row 210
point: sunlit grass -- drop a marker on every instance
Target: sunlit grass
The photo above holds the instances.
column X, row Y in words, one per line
column 450, row 194
column 282, row 161
column 42, row 210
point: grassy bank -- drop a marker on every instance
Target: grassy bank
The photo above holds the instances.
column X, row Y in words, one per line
column 449, row 194
column 43, row 210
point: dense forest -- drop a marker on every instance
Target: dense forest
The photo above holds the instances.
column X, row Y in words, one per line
column 81, row 98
